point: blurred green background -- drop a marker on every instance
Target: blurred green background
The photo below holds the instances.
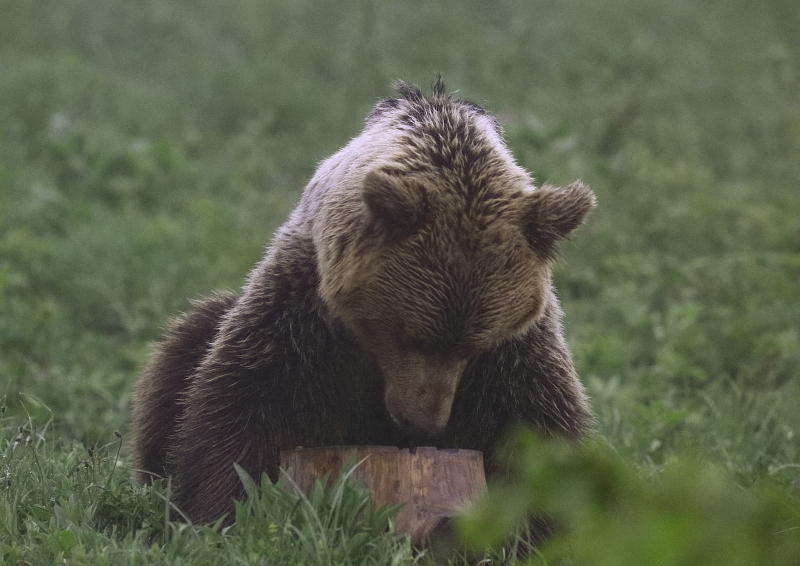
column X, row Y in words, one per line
column 149, row 149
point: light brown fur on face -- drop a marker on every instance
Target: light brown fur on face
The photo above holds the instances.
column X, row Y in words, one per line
column 451, row 257
column 406, row 299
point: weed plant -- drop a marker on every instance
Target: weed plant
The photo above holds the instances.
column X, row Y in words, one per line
column 608, row 514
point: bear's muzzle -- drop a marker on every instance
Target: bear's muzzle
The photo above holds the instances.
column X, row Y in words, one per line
column 419, row 392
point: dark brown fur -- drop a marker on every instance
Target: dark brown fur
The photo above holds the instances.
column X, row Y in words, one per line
column 407, row 300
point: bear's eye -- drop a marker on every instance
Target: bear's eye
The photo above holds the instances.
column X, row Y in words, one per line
column 466, row 352
column 423, row 346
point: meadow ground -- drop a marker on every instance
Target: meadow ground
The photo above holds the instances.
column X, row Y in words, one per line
column 149, row 150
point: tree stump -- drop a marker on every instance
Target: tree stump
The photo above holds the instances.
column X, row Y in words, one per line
column 432, row 485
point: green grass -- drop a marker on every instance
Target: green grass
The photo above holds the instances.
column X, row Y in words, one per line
column 68, row 502
column 149, row 151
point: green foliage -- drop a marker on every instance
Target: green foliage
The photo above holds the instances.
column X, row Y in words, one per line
column 65, row 499
column 148, row 150
column 332, row 525
column 610, row 514
column 66, row 502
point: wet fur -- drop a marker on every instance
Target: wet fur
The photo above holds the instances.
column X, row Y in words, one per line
column 420, row 240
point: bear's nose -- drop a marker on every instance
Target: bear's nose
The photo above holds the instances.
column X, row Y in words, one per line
column 417, row 429
column 419, row 391
column 422, row 420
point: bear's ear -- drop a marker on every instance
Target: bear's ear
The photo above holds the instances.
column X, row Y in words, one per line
column 397, row 203
column 552, row 213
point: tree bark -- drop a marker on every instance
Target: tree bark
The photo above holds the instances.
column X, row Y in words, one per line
column 432, row 485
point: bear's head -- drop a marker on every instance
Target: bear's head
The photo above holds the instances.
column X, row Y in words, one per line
column 449, row 256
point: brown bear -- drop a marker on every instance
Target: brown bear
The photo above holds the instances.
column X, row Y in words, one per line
column 407, row 300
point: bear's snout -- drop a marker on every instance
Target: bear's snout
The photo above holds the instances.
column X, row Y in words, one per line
column 419, row 394
column 419, row 417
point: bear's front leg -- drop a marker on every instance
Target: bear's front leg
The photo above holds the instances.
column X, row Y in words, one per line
column 528, row 380
column 243, row 416
column 264, row 387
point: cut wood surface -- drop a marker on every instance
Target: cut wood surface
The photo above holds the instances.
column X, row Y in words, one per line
column 433, row 485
